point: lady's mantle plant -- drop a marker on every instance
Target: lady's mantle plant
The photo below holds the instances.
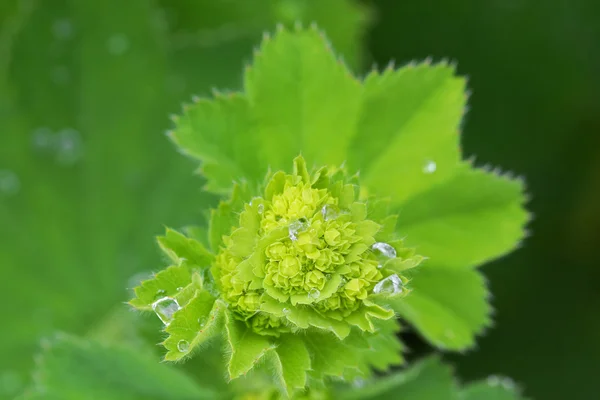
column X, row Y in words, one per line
column 305, row 272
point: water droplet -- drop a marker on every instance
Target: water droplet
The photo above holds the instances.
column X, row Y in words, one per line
column 160, row 293
column 261, row 208
column 179, row 288
column 358, row 383
column 392, row 285
column 61, row 75
column 9, row 183
column 62, row 29
column 164, row 308
column 329, row 212
column 183, row 346
column 384, row 250
column 296, row 227
column 286, row 311
column 508, row 383
column 43, row 140
column 69, row 147
column 429, row 167
column 118, row 44
column 314, row 293
column 493, row 380
column 201, row 321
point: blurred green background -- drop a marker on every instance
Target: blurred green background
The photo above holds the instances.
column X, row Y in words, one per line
column 87, row 177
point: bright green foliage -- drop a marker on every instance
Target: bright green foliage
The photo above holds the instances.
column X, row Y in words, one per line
column 400, row 130
column 107, row 74
column 73, row 369
column 428, row 379
column 298, row 282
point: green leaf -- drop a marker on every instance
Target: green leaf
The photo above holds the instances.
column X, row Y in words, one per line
column 428, row 379
column 384, row 347
column 225, row 216
column 72, row 368
column 178, row 247
column 167, row 282
column 448, row 306
column 330, row 356
column 292, row 361
column 245, row 347
column 303, row 98
column 465, row 221
column 494, row 388
column 196, row 322
column 220, row 134
column 408, row 118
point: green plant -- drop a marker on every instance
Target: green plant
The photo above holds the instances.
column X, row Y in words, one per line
column 300, row 275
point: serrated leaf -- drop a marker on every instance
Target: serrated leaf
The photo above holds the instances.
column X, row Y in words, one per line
column 472, row 218
column 408, row 117
column 220, row 134
column 329, row 355
column 448, row 306
column 384, row 347
column 198, row 321
column 494, row 388
column 177, row 246
column 225, row 216
column 70, row 368
column 167, row 282
column 302, row 98
column 428, row 379
column 245, row 347
column 292, row 361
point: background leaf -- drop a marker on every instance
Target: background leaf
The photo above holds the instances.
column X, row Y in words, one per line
column 84, row 97
column 73, row 368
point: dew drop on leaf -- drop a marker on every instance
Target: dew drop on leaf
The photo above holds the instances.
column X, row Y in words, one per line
column 429, row 167
column 9, row 183
column 390, row 285
column 314, row 293
column 286, row 311
column 493, row 380
column 201, row 321
column 118, row 44
column 165, row 308
column 183, row 346
column 358, row 382
column 296, row 227
column 43, row 140
column 329, row 212
column 69, row 147
column 179, row 288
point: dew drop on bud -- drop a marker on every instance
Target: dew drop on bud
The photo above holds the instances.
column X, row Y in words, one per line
column 286, row 311
column 314, row 293
column 384, row 250
column 183, row 346
column 296, row 227
column 261, row 208
column 390, row 285
column 429, row 167
column 165, row 308
column 329, row 212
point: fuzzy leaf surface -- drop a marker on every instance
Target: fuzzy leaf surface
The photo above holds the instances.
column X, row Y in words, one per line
column 447, row 305
column 70, row 368
column 245, row 347
column 474, row 217
column 428, row 379
column 291, row 361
